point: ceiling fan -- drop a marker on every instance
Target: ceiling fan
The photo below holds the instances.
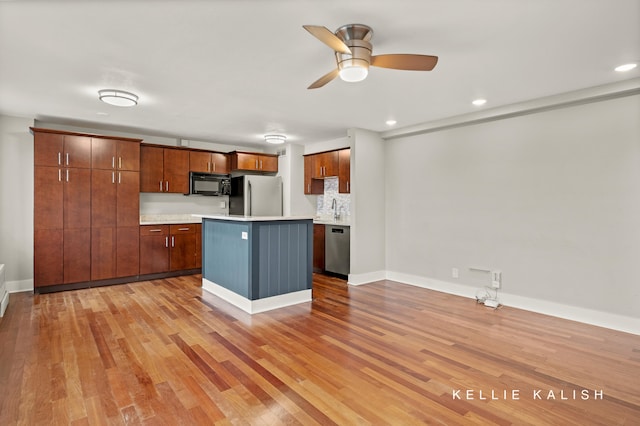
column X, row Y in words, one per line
column 353, row 54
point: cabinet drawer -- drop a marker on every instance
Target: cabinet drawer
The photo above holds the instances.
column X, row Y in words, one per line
column 187, row 228
column 154, row 230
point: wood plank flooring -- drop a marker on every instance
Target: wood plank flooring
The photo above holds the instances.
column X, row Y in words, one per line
column 164, row 353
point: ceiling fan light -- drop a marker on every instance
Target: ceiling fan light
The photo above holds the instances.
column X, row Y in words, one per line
column 118, row 97
column 353, row 70
column 275, row 139
column 353, row 74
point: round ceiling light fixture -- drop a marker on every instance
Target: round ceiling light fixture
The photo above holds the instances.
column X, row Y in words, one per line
column 479, row 102
column 118, row 97
column 275, row 139
column 625, row 67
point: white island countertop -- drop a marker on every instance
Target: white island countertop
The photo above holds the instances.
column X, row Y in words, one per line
column 237, row 218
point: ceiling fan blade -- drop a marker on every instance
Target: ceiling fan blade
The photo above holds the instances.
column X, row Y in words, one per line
column 324, row 79
column 405, row 62
column 327, row 37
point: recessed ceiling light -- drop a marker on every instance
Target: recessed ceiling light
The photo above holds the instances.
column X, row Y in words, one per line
column 479, row 102
column 626, row 67
column 118, row 97
column 391, row 122
column 275, row 139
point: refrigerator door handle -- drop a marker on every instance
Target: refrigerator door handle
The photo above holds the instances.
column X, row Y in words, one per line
column 249, row 195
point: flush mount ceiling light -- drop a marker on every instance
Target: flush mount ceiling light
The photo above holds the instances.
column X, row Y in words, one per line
column 118, row 97
column 275, row 139
column 391, row 122
column 626, row 67
column 479, row 102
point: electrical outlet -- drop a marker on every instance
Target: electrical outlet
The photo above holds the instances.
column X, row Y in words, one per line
column 455, row 273
column 496, row 279
column 245, row 236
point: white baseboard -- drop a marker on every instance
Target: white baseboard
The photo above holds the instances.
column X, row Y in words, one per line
column 4, row 303
column 19, row 286
column 260, row 305
column 366, row 278
column 573, row 313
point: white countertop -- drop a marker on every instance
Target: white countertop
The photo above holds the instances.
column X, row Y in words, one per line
column 339, row 222
column 168, row 219
column 236, row 218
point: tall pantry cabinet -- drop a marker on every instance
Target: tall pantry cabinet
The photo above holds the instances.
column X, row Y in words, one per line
column 86, row 207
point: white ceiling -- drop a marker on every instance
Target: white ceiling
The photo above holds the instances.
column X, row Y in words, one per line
column 230, row 71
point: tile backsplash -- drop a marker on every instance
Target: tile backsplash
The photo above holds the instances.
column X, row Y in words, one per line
column 330, row 193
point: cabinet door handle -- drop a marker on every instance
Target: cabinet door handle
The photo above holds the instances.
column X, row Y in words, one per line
column 256, row 164
column 260, row 164
column 113, row 177
column 155, row 230
column 166, row 186
column 113, row 162
column 119, row 178
column 59, row 159
column 308, row 187
column 183, row 229
column 173, row 241
column 160, row 186
column 166, row 242
column 214, row 166
column 67, row 158
column 119, row 162
column 59, row 175
column 67, row 175
column 348, row 186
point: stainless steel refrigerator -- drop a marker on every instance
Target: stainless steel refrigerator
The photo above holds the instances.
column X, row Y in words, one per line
column 256, row 195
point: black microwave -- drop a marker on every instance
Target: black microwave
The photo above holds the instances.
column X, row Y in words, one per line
column 209, row 184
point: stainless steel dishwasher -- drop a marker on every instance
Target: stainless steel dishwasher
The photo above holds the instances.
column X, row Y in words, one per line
column 337, row 249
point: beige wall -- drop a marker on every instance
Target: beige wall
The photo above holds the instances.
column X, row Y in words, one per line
column 16, row 201
column 552, row 199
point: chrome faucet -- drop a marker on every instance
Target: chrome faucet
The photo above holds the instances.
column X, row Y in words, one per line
column 334, row 206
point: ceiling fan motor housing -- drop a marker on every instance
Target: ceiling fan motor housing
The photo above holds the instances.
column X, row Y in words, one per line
column 354, row 66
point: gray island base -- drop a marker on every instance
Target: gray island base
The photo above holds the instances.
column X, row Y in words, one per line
column 258, row 263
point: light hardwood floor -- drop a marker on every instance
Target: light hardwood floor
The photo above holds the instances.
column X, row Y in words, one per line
column 165, row 352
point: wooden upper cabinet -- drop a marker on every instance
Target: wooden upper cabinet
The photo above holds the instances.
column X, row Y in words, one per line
column 249, row 161
column 128, row 155
column 164, row 170
column 325, row 165
column 176, row 171
column 208, row 162
column 311, row 185
column 59, row 150
column 77, row 152
column 151, row 169
column 47, row 149
column 344, row 171
column 113, row 154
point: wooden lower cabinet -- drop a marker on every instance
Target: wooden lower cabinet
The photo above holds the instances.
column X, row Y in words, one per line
column 183, row 247
column 47, row 257
column 198, row 245
column 318, row 248
column 154, row 249
column 114, row 253
column 128, row 251
column 169, row 248
column 76, row 256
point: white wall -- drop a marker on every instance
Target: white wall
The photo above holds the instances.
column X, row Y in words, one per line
column 16, row 201
column 552, row 199
column 291, row 168
column 368, row 182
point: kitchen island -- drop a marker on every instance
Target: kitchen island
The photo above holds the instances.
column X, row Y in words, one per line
column 257, row 263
